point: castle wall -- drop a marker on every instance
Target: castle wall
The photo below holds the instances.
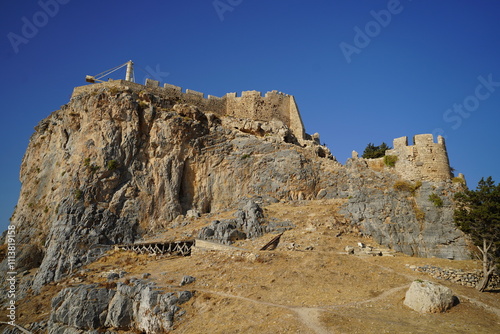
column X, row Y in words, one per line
column 250, row 105
column 424, row 160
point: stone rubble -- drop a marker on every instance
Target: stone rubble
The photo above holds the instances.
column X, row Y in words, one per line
column 466, row 278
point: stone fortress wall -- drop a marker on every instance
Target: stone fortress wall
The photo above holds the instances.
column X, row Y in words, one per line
column 250, row 105
column 425, row 160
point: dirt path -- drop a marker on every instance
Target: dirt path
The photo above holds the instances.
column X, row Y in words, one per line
column 474, row 301
column 382, row 296
column 309, row 316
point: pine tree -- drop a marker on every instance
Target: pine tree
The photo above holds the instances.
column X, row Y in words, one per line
column 478, row 215
column 371, row 151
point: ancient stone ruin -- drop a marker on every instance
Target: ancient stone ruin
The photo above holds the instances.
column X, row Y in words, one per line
column 425, row 160
column 250, row 105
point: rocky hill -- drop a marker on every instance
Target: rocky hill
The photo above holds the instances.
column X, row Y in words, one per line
column 116, row 165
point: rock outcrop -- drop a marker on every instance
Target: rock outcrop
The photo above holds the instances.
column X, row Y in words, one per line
column 396, row 213
column 246, row 225
column 136, row 307
column 114, row 163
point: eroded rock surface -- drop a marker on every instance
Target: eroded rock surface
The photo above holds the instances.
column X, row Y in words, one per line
column 136, row 307
column 113, row 163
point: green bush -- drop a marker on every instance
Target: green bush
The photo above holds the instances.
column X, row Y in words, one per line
column 112, row 165
column 94, row 168
column 458, row 180
column 436, row 200
column 390, row 160
column 78, row 193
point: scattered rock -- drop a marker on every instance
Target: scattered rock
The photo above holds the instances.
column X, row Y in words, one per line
column 113, row 276
column 428, row 297
column 349, row 249
column 193, row 214
column 187, row 280
column 321, row 194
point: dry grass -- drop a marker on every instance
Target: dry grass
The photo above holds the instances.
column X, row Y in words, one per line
column 298, row 291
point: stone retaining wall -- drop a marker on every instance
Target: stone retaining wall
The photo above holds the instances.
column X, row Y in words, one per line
column 467, row 278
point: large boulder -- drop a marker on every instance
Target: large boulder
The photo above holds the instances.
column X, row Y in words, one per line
column 429, row 297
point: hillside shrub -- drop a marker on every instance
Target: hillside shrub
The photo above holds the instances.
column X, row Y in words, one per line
column 420, row 214
column 78, row 193
column 402, row 185
column 436, row 200
column 390, row 160
column 112, row 165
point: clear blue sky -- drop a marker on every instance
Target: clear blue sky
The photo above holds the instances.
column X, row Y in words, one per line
column 356, row 80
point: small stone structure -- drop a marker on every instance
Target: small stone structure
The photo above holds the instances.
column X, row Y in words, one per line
column 250, row 105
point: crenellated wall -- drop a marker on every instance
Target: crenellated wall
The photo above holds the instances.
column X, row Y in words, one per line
column 425, row 160
column 250, row 105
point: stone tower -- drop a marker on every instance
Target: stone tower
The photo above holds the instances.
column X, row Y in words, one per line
column 425, row 160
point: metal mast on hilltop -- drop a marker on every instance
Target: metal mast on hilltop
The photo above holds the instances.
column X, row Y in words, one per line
column 129, row 76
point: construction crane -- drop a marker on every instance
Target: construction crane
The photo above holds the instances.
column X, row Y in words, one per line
column 129, row 76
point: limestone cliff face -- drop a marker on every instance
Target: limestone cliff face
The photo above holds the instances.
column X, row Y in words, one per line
column 114, row 163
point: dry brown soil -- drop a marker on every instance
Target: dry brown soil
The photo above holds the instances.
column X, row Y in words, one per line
column 291, row 289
